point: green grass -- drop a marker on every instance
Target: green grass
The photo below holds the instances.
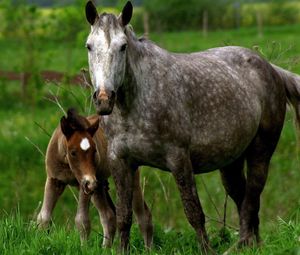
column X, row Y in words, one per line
column 278, row 44
column 20, row 237
column 22, row 173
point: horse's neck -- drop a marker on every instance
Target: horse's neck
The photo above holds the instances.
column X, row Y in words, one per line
column 139, row 57
column 127, row 92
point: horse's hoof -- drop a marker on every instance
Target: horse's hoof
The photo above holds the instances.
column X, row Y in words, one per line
column 232, row 248
column 247, row 241
column 206, row 249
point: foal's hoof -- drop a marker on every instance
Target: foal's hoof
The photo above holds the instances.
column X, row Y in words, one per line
column 106, row 243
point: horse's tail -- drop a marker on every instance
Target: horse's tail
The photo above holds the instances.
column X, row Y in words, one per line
column 292, row 86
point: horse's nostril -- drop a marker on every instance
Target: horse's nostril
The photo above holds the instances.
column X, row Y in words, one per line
column 85, row 184
column 88, row 186
column 96, row 99
column 112, row 95
column 95, row 95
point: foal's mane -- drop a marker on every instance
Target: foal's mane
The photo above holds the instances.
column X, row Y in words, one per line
column 78, row 122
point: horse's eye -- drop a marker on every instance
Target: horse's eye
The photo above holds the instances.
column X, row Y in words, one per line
column 88, row 46
column 123, row 47
column 73, row 153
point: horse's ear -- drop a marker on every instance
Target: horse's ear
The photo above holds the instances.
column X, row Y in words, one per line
column 93, row 128
column 91, row 12
column 66, row 128
column 126, row 14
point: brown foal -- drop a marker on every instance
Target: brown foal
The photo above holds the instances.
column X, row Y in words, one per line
column 76, row 155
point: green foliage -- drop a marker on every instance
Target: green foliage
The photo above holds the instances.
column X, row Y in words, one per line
column 21, row 22
column 22, row 237
column 173, row 15
column 275, row 13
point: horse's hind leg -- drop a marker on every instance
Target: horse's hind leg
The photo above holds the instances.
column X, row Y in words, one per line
column 142, row 212
column 53, row 189
column 102, row 201
column 180, row 165
column 234, row 181
column 258, row 158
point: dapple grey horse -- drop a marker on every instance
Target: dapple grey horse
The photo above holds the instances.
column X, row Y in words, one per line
column 187, row 114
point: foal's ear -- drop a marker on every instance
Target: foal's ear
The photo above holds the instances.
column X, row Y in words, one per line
column 93, row 128
column 66, row 128
column 91, row 12
column 126, row 14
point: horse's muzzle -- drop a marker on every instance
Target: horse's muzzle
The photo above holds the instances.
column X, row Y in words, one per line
column 88, row 186
column 104, row 101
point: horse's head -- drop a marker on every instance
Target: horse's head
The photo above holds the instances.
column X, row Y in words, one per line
column 81, row 149
column 106, row 44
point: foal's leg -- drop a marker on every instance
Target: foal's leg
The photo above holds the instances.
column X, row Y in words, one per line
column 142, row 212
column 180, row 165
column 123, row 177
column 82, row 219
column 258, row 158
column 53, row 189
column 102, row 201
column 234, row 181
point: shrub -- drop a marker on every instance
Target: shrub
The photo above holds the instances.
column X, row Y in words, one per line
column 171, row 15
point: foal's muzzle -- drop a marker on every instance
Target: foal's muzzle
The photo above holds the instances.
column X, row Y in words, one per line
column 104, row 101
column 88, row 185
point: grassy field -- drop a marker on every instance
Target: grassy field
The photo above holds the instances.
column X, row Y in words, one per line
column 22, row 173
column 20, row 237
column 278, row 44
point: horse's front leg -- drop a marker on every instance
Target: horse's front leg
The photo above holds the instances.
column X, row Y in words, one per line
column 82, row 219
column 178, row 161
column 53, row 189
column 142, row 212
column 102, row 201
column 123, row 177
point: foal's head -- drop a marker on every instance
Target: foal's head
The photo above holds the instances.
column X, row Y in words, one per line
column 106, row 44
column 81, row 149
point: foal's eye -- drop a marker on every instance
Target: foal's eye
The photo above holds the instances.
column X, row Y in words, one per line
column 88, row 46
column 123, row 47
column 73, row 153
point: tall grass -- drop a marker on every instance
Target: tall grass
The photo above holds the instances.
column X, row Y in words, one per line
column 21, row 237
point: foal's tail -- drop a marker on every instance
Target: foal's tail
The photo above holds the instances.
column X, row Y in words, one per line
column 292, row 86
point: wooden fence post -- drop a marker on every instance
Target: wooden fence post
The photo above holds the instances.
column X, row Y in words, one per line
column 24, row 82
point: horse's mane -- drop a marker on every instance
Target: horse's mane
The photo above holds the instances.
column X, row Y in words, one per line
column 77, row 121
column 143, row 46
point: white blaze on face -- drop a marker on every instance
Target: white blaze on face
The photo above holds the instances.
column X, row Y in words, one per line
column 97, row 57
column 85, row 144
column 106, row 61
